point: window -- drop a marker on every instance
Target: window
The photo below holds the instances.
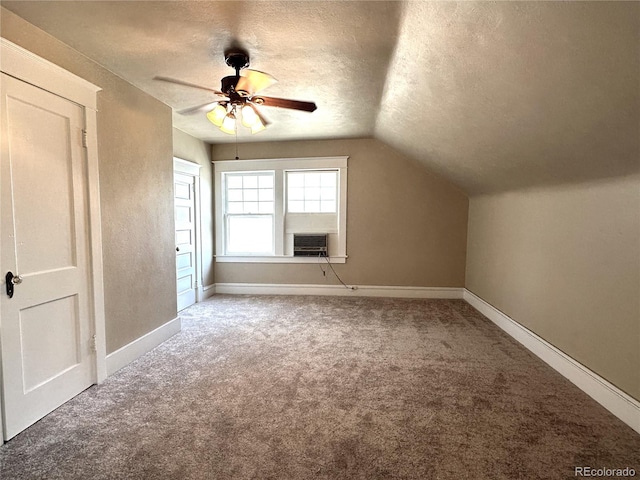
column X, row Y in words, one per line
column 262, row 204
column 312, row 191
column 249, row 212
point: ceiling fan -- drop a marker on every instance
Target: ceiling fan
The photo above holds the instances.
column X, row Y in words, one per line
column 239, row 97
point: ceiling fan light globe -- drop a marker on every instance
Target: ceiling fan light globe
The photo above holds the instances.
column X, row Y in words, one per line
column 257, row 127
column 249, row 117
column 217, row 115
column 229, row 124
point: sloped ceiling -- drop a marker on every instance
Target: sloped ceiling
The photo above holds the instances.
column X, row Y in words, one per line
column 509, row 95
column 492, row 96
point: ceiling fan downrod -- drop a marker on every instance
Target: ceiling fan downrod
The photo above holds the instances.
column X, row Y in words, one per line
column 237, row 60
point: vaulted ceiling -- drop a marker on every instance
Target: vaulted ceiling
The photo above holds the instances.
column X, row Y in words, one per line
column 492, row 96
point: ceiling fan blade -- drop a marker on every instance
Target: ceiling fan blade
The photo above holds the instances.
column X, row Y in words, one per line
column 203, row 107
column 187, row 84
column 284, row 103
column 262, row 118
column 252, row 81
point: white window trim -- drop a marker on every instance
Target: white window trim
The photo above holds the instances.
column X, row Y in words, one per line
column 280, row 165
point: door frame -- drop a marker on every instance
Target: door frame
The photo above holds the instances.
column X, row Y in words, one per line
column 186, row 167
column 30, row 68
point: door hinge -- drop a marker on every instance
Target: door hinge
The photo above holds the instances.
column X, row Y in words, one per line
column 84, row 138
column 94, row 344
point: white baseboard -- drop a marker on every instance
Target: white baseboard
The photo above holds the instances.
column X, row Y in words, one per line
column 127, row 354
column 339, row 290
column 206, row 292
column 623, row 406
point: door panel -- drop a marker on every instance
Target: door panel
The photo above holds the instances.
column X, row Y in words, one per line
column 45, row 334
column 45, row 356
column 184, row 260
column 50, row 208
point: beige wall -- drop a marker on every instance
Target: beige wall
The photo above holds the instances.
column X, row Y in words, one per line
column 136, row 169
column 405, row 226
column 565, row 263
column 194, row 150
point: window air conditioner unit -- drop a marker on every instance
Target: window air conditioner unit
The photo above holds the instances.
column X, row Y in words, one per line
column 309, row 245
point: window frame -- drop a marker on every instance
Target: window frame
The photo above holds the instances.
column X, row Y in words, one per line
column 279, row 166
column 227, row 215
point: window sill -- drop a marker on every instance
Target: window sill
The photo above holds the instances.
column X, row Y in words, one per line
column 278, row 259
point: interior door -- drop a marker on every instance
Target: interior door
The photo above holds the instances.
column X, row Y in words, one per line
column 185, row 215
column 45, row 326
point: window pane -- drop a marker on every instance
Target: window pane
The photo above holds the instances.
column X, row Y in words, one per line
column 234, row 195
column 250, row 234
column 311, row 179
column 312, row 187
column 265, row 181
column 250, row 207
column 313, row 206
column 265, row 207
column 328, row 179
column 246, row 198
column 265, row 195
column 312, row 194
column 328, row 193
column 249, row 181
column 234, row 207
column 328, row 207
column 251, row 195
column 296, row 206
column 234, row 181
column 296, row 194
column 295, row 179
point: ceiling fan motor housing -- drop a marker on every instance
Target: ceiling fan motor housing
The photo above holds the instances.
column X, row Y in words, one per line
column 229, row 83
column 237, row 60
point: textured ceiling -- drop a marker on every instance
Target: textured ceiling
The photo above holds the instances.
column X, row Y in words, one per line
column 492, row 96
column 333, row 53
column 509, row 95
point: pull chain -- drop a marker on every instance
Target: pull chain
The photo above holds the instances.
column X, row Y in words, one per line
column 237, row 158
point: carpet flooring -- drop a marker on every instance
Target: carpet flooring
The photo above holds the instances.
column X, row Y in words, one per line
column 277, row 387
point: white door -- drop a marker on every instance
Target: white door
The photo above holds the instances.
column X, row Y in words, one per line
column 45, row 329
column 184, row 189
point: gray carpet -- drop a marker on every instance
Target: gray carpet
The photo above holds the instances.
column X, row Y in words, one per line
column 328, row 388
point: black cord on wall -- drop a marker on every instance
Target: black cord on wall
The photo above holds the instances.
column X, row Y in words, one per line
column 336, row 274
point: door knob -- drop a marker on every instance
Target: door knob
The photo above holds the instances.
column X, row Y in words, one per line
column 177, row 249
column 10, row 281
